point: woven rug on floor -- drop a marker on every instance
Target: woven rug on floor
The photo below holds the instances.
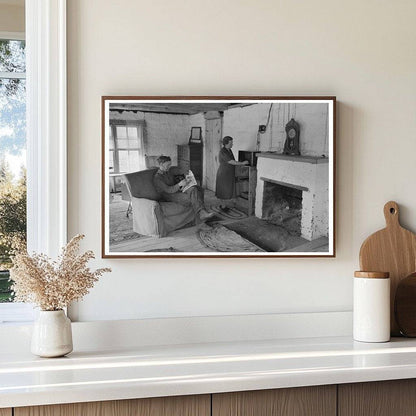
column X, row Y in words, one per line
column 219, row 238
column 121, row 225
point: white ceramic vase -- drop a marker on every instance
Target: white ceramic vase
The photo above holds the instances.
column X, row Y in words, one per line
column 52, row 334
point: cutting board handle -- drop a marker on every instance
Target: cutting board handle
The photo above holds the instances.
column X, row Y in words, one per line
column 391, row 214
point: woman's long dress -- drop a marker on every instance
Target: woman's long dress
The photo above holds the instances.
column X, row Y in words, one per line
column 225, row 184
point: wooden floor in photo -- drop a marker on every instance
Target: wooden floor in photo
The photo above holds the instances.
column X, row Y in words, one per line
column 124, row 240
column 320, row 245
column 185, row 240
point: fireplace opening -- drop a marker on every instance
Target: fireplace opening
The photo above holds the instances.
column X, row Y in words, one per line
column 282, row 205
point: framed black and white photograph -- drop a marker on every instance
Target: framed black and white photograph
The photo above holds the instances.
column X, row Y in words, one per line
column 218, row 176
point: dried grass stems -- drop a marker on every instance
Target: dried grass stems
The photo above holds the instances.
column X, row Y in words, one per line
column 53, row 285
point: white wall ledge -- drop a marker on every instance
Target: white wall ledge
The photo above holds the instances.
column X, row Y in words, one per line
column 200, row 369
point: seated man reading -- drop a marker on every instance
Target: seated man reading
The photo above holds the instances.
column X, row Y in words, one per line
column 164, row 182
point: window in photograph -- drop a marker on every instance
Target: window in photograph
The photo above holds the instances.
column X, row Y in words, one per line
column 126, row 148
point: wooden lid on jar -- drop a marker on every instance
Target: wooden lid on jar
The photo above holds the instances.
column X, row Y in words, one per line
column 372, row 275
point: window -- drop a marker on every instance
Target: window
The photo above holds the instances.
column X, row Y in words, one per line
column 126, row 151
column 126, row 147
column 45, row 26
column 12, row 155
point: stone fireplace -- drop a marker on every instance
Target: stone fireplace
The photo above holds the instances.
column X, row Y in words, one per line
column 293, row 191
column 282, row 205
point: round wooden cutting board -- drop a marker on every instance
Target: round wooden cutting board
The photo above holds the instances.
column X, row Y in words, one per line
column 393, row 250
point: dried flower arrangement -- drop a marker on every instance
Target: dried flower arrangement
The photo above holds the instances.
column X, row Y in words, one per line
column 53, row 285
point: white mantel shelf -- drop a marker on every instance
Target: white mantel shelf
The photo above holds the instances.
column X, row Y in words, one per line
column 293, row 158
column 151, row 371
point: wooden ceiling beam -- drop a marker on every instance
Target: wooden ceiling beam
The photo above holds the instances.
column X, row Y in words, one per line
column 173, row 108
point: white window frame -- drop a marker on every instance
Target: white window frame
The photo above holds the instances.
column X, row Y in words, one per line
column 138, row 124
column 46, row 135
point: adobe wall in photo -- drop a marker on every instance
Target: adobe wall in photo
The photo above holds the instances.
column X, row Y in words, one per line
column 163, row 132
column 242, row 124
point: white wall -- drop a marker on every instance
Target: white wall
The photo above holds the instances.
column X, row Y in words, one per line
column 361, row 51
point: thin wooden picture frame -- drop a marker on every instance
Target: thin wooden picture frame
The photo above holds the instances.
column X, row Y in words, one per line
column 297, row 208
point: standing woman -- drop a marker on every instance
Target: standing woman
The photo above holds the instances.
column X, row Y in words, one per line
column 225, row 185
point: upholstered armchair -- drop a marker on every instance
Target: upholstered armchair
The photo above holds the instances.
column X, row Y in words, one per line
column 151, row 216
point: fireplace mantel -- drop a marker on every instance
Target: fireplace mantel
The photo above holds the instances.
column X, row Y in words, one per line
column 303, row 159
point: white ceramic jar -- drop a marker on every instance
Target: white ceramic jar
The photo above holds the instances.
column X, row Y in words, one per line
column 52, row 334
column 371, row 305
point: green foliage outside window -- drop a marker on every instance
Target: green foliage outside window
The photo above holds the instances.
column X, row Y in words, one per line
column 12, row 147
column 12, row 223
